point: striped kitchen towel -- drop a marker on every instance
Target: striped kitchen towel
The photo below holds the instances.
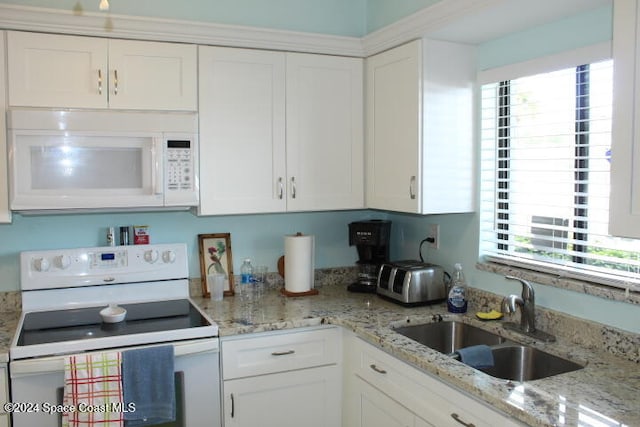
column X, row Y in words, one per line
column 93, row 387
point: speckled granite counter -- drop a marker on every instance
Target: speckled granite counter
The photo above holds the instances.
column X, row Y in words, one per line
column 8, row 325
column 606, row 390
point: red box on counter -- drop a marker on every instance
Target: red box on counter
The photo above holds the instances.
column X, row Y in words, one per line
column 141, row 235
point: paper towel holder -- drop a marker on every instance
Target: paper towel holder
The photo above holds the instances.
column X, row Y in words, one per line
column 287, row 293
column 282, row 272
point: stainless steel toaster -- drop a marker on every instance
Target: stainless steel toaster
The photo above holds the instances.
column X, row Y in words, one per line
column 412, row 282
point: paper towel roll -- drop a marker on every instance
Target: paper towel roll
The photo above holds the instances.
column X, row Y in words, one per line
column 299, row 263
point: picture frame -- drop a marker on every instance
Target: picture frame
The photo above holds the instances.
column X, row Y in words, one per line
column 216, row 256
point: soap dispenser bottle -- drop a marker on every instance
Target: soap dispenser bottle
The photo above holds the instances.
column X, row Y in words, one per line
column 457, row 299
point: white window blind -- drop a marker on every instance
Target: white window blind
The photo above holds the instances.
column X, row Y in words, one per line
column 545, row 163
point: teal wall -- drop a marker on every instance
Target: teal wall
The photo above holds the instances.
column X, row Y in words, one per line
column 259, row 237
column 584, row 29
column 337, row 17
column 384, row 12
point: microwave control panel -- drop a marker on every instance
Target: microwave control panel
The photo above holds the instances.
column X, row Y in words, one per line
column 179, row 165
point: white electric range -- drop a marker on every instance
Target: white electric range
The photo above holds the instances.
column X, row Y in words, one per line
column 63, row 292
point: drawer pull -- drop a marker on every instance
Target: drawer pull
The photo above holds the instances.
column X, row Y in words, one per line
column 282, row 353
column 233, row 406
column 458, row 419
column 378, row 370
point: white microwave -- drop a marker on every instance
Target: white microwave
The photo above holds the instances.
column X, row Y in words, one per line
column 102, row 160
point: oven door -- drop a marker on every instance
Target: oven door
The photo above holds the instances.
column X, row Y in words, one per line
column 40, row 380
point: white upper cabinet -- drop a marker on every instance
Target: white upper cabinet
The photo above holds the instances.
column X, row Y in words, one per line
column 624, row 211
column 419, row 117
column 242, row 131
column 279, row 132
column 325, row 157
column 59, row 71
column 5, row 213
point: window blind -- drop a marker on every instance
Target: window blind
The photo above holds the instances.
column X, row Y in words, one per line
column 545, row 161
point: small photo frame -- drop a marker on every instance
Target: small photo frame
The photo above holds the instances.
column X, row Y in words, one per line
column 215, row 257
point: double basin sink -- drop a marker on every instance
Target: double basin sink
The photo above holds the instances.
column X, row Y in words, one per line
column 512, row 361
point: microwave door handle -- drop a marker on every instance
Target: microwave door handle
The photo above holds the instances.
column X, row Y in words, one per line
column 157, row 160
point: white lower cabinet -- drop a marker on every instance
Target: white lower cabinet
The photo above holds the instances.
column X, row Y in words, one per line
column 298, row 398
column 373, row 408
column 4, row 395
column 284, row 378
column 382, row 390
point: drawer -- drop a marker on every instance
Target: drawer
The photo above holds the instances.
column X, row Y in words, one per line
column 271, row 352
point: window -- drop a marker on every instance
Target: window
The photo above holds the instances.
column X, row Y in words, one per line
column 545, row 176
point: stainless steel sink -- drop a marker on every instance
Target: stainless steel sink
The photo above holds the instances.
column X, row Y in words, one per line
column 524, row 363
column 449, row 336
column 512, row 361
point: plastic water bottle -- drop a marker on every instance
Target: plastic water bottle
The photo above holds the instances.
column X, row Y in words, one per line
column 246, row 272
column 457, row 300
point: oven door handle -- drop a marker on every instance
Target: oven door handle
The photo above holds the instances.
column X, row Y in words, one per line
column 56, row 363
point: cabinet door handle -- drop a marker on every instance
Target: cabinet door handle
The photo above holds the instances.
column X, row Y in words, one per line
column 293, row 187
column 459, row 420
column 283, row 353
column 115, row 82
column 378, row 370
column 99, row 82
column 412, row 187
column 233, row 406
column 280, row 188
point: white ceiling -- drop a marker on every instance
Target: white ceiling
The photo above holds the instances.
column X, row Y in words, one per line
column 509, row 16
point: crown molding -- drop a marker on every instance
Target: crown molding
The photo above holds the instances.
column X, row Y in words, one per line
column 423, row 23
column 14, row 17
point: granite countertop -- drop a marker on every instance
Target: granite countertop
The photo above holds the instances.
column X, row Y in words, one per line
column 606, row 390
column 8, row 324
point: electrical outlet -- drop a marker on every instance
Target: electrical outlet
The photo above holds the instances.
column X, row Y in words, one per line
column 433, row 232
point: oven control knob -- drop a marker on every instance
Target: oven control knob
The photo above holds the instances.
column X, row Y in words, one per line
column 151, row 256
column 63, row 261
column 169, row 257
column 41, row 264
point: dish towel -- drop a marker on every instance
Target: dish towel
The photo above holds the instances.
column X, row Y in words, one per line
column 476, row 356
column 93, row 381
column 148, row 382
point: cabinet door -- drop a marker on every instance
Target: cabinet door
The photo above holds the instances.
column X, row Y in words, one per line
column 393, row 129
column 624, row 211
column 5, row 213
column 375, row 409
column 152, row 76
column 47, row 70
column 308, row 397
column 325, row 154
column 242, row 131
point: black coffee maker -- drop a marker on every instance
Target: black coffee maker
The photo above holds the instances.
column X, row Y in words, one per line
column 371, row 238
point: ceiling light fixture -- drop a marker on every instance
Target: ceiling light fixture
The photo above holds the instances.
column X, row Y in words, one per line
column 104, row 5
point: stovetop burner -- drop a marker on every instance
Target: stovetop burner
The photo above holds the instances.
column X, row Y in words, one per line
column 85, row 323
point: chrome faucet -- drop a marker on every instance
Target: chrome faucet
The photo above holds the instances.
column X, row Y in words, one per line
column 527, row 304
